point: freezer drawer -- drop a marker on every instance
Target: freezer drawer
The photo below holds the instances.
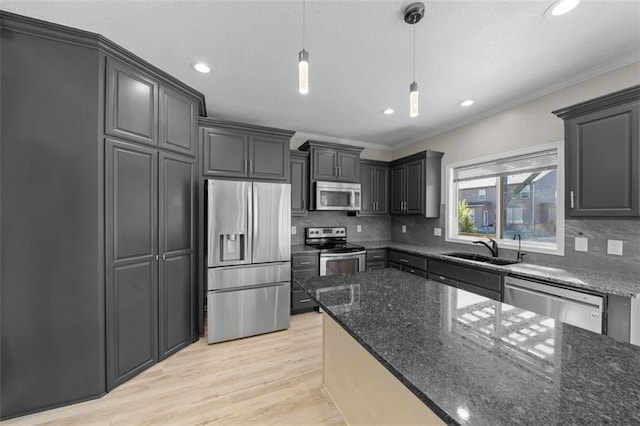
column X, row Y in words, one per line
column 248, row 275
column 240, row 313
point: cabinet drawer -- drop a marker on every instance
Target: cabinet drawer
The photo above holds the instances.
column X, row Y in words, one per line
column 376, row 255
column 303, row 273
column 304, row 260
column 414, row 271
column 463, row 274
column 301, row 300
column 374, row 266
column 409, row 260
column 443, row 280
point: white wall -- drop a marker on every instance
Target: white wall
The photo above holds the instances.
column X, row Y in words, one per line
column 525, row 125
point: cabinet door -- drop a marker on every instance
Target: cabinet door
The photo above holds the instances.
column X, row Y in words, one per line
column 299, row 186
column 178, row 122
column 131, row 227
column 397, row 190
column 268, row 157
column 226, row 153
column 348, row 166
column 367, row 189
column 381, row 193
column 132, row 111
column 325, row 163
column 176, row 248
column 603, row 163
column 414, row 187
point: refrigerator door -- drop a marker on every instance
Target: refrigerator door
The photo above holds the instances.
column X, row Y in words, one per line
column 271, row 222
column 247, row 312
column 228, row 225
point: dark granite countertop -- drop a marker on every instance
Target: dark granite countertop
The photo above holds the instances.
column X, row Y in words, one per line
column 477, row 361
column 602, row 282
column 302, row 249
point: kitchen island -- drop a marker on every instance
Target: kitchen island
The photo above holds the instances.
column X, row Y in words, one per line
column 472, row 360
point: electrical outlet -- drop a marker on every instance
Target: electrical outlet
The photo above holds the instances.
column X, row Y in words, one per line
column 404, row 228
column 614, row 247
column 581, row 244
column 437, row 232
column 358, row 228
column 293, row 230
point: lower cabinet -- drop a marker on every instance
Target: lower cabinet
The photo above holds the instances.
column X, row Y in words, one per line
column 481, row 282
column 376, row 259
column 150, row 260
column 414, row 264
column 302, row 266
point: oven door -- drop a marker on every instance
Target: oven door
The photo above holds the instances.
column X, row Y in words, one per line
column 342, row 263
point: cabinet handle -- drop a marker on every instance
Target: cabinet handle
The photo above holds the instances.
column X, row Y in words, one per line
column 375, row 206
column 305, row 263
column 164, row 256
column 156, row 257
column 572, row 201
column 250, row 166
column 304, row 300
column 245, row 165
column 442, row 278
column 377, row 257
column 404, row 260
column 339, row 171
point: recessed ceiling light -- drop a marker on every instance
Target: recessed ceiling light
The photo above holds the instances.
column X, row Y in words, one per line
column 465, row 103
column 201, row 67
column 560, row 7
column 388, row 111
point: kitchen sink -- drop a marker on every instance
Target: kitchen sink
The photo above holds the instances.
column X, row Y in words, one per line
column 481, row 258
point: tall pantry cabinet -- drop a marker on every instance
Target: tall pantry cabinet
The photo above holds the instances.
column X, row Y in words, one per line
column 97, row 205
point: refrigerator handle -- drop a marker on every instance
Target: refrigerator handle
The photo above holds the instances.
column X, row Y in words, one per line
column 253, row 208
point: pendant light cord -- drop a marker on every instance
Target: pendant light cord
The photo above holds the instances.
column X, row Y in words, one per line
column 303, row 20
column 414, row 52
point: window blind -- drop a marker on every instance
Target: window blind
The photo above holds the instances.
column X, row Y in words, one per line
column 532, row 162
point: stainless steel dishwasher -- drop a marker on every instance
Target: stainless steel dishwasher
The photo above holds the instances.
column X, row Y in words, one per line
column 574, row 307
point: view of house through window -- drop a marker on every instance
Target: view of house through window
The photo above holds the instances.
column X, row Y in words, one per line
column 515, row 194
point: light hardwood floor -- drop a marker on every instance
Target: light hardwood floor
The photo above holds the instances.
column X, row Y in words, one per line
column 269, row 379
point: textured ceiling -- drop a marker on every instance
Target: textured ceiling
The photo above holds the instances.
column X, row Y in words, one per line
column 498, row 53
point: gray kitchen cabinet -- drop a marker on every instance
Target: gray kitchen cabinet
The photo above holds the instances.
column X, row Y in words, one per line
column 299, row 182
column 132, row 104
column 415, row 184
column 176, row 275
column 479, row 281
column 414, row 264
column 605, row 128
column 178, row 122
column 243, row 151
column 131, row 243
column 374, row 181
column 376, row 259
column 90, row 139
column 331, row 162
column 302, row 265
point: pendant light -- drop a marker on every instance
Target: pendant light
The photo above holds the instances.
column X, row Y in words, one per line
column 412, row 15
column 303, row 61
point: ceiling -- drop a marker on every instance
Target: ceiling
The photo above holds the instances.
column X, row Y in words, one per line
column 499, row 53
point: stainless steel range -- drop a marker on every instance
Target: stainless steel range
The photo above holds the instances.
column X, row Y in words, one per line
column 337, row 256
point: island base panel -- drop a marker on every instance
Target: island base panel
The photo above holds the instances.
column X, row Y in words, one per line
column 363, row 389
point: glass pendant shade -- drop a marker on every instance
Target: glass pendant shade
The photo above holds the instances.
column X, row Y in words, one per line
column 413, row 99
column 303, row 72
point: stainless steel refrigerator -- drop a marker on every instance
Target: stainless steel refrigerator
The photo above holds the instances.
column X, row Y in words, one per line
column 248, row 258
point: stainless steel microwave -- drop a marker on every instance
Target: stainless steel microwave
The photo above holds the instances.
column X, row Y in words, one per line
column 337, row 196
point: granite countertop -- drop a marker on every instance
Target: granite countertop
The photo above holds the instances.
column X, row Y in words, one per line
column 477, row 361
column 602, row 282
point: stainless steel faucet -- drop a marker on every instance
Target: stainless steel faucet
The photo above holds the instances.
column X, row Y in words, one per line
column 521, row 253
column 493, row 248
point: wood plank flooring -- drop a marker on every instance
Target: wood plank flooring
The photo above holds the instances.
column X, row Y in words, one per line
column 275, row 378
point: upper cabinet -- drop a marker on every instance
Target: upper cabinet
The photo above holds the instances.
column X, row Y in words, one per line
column 415, row 184
column 299, row 172
column 331, row 162
column 237, row 150
column 602, row 155
column 142, row 110
column 374, row 181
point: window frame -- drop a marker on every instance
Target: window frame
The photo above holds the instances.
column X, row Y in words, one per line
column 451, row 210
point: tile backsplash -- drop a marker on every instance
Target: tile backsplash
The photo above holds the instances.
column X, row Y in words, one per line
column 419, row 230
column 374, row 228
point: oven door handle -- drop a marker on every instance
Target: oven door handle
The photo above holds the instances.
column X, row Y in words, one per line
column 345, row 255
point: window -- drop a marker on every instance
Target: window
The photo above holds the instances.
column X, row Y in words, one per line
column 513, row 193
